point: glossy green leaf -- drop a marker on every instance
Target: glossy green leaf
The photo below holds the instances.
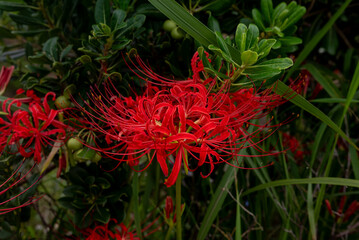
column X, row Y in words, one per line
column 267, row 10
column 25, row 20
column 117, row 19
column 265, row 45
column 241, row 36
column 102, row 11
column 252, row 36
column 249, row 58
column 289, row 40
column 51, row 49
column 258, row 20
column 13, row 6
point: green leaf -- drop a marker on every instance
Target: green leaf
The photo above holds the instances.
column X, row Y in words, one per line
column 316, row 39
column 241, row 36
column 301, row 102
column 51, row 49
column 294, row 17
column 102, row 11
column 249, row 58
column 278, row 10
column 275, row 65
column 319, row 180
column 265, row 45
column 65, row 51
column 326, row 82
column 213, row 24
column 267, row 10
column 25, row 20
column 258, row 20
column 221, row 43
column 289, row 40
column 117, row 20
column 252, row 36
column 29, row 32
column 102, row 214
column 332, row 100
column 13, row 6
column 39, row 59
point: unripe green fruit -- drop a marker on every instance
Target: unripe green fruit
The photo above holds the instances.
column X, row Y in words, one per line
column 177, row 33
column 74, row 144
column 62, row 102
column 97, row 157
column 77, row 157
column 169, row 25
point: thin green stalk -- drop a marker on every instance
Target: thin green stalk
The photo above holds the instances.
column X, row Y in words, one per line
column 135, row 189
column 238, row 212
column 178, row 208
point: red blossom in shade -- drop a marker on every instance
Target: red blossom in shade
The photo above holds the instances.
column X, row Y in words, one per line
column 118, row 232
column 294, row 146
column 339, row 215
column 30, row 130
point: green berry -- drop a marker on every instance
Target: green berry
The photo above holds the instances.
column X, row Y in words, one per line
column 97, row 157
column 177, row 33
column 74, row 144
column 62, row 102
column 169, row 25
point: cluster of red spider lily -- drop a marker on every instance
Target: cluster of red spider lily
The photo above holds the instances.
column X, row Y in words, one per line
column 186, row 123
column 26, row 130
column 339, row 215
column 117, row 232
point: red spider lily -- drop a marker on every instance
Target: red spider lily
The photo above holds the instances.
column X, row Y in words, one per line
column 339, row 215
column 178, row 120
column 30, row 130
column 294, row 145
column 5, row 76
column 119, row 232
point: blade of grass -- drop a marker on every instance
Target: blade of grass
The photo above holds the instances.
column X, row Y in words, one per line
column 326, row 83
column 319, row 180
column 301, row 102
column 316, row 39
column 135, row 190
column 310, row 204
column 351, row 92
column 217, row 201
column 332, row 100
column 355, row 161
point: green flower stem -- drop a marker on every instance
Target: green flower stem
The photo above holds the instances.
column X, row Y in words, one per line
column 168, row 234
column 178, row 208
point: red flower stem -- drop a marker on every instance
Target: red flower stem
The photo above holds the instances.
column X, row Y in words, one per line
column 178, row 208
